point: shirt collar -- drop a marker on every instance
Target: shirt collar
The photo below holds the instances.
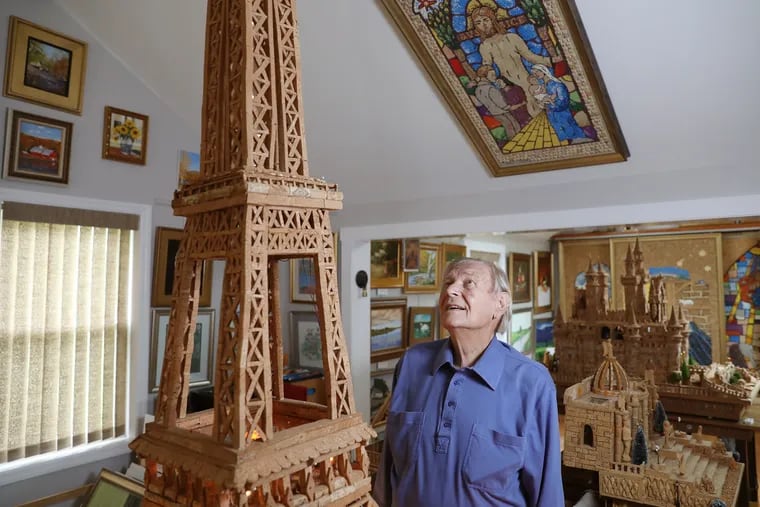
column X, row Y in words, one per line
column 489, row 367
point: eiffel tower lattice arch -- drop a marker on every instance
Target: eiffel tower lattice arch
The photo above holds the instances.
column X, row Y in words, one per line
column 254, row 205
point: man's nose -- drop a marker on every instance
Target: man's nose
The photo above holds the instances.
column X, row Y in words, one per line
column 454, row 289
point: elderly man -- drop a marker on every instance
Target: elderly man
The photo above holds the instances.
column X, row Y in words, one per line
column 471, row 420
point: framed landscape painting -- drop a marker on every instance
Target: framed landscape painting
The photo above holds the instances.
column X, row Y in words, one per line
column 387, row 319
column 38, row 147
column 385, row 264
column 44, row 67
column 422, row 323
column 520, row 77
column 427, row 278
column 521, row 332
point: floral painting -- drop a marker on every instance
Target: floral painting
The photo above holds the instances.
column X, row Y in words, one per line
column 519, row 76
column 125, row 136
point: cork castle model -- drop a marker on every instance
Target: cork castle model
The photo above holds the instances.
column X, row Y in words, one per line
column 254, row 205
column 609, row 429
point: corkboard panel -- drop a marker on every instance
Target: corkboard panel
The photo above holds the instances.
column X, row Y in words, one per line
column 736, row 243
column 693, row 269
column 573, row 260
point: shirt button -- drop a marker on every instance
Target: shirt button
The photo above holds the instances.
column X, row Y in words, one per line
column 452, row 403
column 447, row 425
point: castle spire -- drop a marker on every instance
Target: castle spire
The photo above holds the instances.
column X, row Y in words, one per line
column 672, row 321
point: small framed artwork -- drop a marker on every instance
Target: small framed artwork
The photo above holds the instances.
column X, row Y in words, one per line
column 381, row 384
column 411, row 254
column 303, row 280
column 45, row 67
column 125, row 136
column 542, row 281
column 115, row 490
column 387, row 329
column 521, row 332
column 486, row 256
column 189, row 168
column 385, row 264
column 519, row 277
column 422, row 322
column 428, row 277
column 201, row 363
column 544, row 332
column 38, row 147
column 306, row 340
column 452, row 253
column 166, row 248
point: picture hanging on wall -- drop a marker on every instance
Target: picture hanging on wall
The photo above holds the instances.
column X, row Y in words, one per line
column 387, row 329
column 542, row 282
column 125, row 136
column 44, row 67
column 166, row 248
column 38, row 147
column 189, row 167
column 521, row 332
column 428, row 277
column 519, row 277
column 422, row 323
column 520, row 77
column 385, row 264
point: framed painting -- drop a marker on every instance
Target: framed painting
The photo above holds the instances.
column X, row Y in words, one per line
column 544, row 333
column 521, row 332
column 306, row 340
column 303, row 280
column 387, row 319
column 452, row 253
column 125, row 136
column 189, row 168
column 166, row 247
column 519, row 277
column 38, row 147
column 422, row 323
column 542, row 282
column 520, row 77
column 116, row 490
column 428, row 277
column 44, row 67
column 381, row 384
column 486, row 256
column 411, row 254
column 385, row 264
column 202, row 361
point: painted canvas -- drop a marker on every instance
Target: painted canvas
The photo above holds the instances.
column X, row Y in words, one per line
column 520, row 77
column 189, row 167
column 544, row 330
column 741, row 289
column 521, row 332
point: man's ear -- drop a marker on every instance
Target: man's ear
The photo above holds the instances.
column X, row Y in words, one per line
column 503, row 301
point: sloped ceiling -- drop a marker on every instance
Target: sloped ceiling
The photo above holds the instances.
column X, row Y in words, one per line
column 681, row 74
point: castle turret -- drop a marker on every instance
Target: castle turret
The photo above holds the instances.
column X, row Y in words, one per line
column 642, row 278
column 629, row 284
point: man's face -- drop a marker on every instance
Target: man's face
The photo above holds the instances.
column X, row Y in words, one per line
column 483, row 25
column 467, row 300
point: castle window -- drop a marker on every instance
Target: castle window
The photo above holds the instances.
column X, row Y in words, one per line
column 619, row 333
column 588, row 436
column 605, row 333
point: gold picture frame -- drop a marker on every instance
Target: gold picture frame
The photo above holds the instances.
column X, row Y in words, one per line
column 385, row 264
column 44, row 67
column 543, row 282
column 39, row 148
column 167, row 244
column 522, row 81
column 125, row 135
column 428, row 277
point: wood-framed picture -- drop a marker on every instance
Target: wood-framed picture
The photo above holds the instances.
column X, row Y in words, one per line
column 411, row 254
column 202, row 361
column 452, row 252
column 388, row 336
column 38, row 147
column 521, row 332
column 519, row 277
column 422, row 323
column 125, row 135
column 115, row 490
column 189, row 170
column 306, row 340
column 166, row 247
column 385, row 264
column 303, row 280
column 428, row 277
column 44, row 66
column 544, row 334
column 520, row 77
column 543, row 263
column 381, row 385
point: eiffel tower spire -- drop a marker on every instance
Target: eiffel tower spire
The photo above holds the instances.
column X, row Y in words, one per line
column 253, row 205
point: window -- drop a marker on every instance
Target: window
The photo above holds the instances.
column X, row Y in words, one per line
column 588, row 435
column 65, row 280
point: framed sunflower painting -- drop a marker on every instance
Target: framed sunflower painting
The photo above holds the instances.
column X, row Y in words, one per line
column 125, row 136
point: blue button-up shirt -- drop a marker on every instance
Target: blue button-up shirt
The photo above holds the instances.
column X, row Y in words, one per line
column 483, row 435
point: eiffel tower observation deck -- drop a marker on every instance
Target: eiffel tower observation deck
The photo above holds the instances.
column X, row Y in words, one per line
column 253, row 206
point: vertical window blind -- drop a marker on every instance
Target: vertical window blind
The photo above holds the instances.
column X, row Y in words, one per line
column 65, row 291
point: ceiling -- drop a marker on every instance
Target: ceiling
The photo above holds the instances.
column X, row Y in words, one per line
column 681, row 75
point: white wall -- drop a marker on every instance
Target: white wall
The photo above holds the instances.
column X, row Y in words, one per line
column 98, row 183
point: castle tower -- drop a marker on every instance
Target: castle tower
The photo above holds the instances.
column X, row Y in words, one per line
column 657, row 299
column 253, row 205
column 628, row 279
column 642, row 278
column 604, row 288
column 592, row 291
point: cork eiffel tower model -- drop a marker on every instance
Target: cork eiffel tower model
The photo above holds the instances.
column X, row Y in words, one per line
column 253, row 206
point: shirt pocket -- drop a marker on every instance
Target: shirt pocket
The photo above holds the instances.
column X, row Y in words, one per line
column 403, row 430
column 493, row 459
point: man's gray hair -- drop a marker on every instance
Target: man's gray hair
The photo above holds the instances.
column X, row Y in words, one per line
column 500, row 283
